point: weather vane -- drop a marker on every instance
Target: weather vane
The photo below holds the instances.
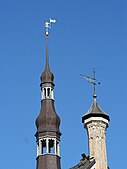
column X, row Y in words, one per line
column 48, row 25
column 92, row 80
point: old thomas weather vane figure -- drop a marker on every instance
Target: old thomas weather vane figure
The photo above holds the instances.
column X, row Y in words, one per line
column 93, row 81
column 48, row 25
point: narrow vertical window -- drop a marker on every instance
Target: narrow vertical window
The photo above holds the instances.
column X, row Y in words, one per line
column 45, row 92
column 48, row 91
column 52, row 93
column 57, row 147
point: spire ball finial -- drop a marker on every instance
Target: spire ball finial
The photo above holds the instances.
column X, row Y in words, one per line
column 48, row 25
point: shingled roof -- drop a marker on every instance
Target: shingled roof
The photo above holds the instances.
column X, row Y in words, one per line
column 95, row 111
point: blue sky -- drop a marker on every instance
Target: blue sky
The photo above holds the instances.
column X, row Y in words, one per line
column 87, row 34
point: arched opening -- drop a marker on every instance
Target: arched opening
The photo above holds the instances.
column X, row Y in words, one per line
column 51, row 146
column 43, row 146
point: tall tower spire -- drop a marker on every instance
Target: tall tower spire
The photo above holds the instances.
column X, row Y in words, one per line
column 47, row 59
column 96, row 122
column 48, row 122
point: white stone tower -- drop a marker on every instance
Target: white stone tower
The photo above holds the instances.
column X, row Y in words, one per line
column 96, row 122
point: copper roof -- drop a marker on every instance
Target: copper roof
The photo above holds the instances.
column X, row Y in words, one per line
column 48, row 120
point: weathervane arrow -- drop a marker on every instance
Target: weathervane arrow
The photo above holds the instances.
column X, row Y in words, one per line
column 92, row 80
column 89, row 79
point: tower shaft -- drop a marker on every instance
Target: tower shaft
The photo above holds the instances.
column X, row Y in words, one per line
column 96, row 122
column 96, row 130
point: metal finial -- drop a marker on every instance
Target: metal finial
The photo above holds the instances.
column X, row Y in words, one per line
column 94, row 74
column 93, row 81
column 48, row 25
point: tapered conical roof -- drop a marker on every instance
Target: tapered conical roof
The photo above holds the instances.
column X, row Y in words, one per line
column 47, row 75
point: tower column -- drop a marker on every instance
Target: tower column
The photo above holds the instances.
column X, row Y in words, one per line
column 96, row 122
column 40, row 147
column 58, row 147
column 55, row 146
column 47, row 146
column 96, row 128
column 37, row 149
